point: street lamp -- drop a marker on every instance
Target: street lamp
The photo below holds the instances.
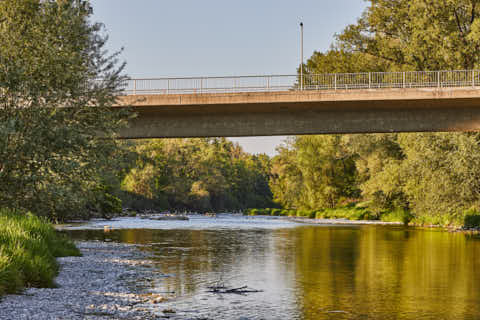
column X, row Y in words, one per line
column 301, row 54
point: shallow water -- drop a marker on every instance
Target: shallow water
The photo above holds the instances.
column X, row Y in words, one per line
column 304, row 271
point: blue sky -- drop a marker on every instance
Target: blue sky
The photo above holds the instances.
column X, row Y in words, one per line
column 222, row 37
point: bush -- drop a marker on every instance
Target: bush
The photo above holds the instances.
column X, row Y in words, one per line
column 397, row 215
column 319, row 214
column 28, row 248
column 275, row 212
column 471, row 220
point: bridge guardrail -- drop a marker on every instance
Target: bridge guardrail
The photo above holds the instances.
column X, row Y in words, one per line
column 272, row 83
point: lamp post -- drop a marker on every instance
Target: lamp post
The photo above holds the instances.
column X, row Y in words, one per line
column 301, row 54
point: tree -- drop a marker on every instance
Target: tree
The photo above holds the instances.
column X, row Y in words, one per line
column 314, row 172
column 199, row 174
column 430, row 174
column 417, row 34
column 56, row 124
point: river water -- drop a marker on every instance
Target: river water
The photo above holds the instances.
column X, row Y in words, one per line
column 304, row 271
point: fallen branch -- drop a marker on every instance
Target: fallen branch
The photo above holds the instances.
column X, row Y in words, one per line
column 240, row 290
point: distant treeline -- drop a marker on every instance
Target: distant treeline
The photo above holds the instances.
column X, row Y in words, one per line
column 432, row 177
column 196, row 175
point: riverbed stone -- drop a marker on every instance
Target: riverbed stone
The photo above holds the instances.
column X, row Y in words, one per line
column 108, row 282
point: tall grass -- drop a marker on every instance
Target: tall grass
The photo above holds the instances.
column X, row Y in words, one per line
column 28, row 250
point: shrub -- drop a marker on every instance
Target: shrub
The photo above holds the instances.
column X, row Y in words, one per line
column 319, row 214
column 276, row 212
column 471, row 220
column 397, row 215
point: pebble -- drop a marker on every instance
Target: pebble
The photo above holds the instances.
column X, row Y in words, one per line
column 108, row 282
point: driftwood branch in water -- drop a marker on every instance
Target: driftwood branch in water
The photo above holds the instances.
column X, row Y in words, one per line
column 240, row 290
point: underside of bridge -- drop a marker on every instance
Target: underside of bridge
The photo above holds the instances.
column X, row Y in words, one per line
column 302, row 112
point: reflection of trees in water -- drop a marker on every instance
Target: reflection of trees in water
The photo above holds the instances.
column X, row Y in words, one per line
column 195, row 257
column 384, row 273
column 375, row 272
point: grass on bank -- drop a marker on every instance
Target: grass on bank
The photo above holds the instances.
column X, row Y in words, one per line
column 359, row 211
column 28, row 250
column 350, row 212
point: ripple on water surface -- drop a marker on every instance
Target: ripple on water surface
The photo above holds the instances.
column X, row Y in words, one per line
column 195, row 222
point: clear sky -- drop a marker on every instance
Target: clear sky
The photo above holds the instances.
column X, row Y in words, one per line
column 222, row 37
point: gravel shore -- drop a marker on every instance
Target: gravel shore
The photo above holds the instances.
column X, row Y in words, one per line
column 108, row 282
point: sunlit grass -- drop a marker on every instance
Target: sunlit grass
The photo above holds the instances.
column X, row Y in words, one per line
column 28, row 250
column 349, row 212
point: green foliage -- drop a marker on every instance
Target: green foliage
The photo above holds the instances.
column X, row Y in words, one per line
column 426, row 178
column 313, row 172
column 417, row 34
column 350, row 212
column 397, row 215
column 28, row 248
column 437, row 175
column 105, row 202
column 56, row 124
column 199, row 175
column 471, row 219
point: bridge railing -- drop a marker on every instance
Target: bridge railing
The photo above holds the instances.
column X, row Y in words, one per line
column 272, row 83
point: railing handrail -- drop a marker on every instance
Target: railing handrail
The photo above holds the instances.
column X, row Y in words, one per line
column 321, row 81
column 296, row 75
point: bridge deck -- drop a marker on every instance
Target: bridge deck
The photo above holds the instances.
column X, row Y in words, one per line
column 303, row 112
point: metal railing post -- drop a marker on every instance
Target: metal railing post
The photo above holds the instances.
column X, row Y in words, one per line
column 438, row 79
column 134, row 87
column 335, row 82
column 473, row 78
column 168, row 86
column 369, row 80
column 404, row 79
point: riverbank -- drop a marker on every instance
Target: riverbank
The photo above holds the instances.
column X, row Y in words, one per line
column 352, row 212
column 29, row 247
column 107, row 282
column 343, row 221
column 358, row 214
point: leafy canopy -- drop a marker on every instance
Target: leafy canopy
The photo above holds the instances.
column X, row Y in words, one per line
column 56, row 125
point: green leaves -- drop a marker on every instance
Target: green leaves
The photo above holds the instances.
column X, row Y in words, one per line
column 199, row 174
column 53, row 110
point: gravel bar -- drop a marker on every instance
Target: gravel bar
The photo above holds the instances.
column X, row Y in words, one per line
column 108, row 282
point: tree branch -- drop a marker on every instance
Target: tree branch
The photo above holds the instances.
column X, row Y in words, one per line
column 458, row 22
column 474, row 5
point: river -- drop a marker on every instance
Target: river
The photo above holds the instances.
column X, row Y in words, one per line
column 303, row 271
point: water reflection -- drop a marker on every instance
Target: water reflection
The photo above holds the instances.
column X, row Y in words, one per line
column 315, row 272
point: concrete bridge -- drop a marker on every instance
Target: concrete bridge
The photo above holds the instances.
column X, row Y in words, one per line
column 326, row 104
